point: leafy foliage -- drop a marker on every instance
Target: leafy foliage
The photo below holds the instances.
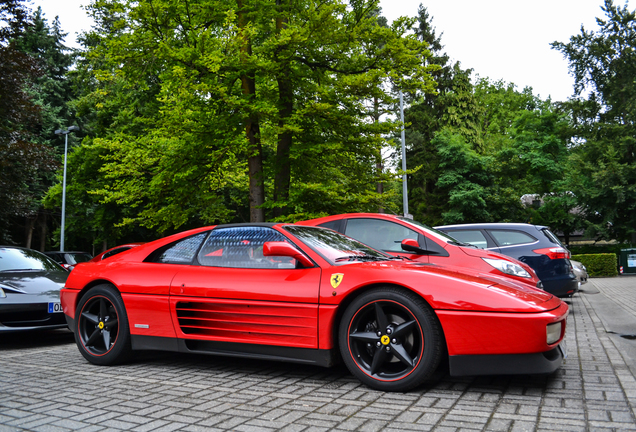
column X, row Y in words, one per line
column 603, row 63
column 196, row 106
column 599, row 265
column 33, row 92
column 480, row 147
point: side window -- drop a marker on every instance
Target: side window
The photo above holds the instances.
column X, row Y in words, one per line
column 509, row 238
column 554, row 239
column 242, row 247
column 473, row 237
column 334, row 225
column 379, row 234
column 56, row 257
column 115, row 252
column 181, row 252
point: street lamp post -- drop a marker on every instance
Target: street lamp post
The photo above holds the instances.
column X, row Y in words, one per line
column 405, row 193
column 65, row 133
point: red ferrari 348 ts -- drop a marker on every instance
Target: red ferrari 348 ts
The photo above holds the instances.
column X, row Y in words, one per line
column 310, row 295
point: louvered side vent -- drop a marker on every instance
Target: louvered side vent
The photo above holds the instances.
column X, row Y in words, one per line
column 264, row 323
column 198, row 318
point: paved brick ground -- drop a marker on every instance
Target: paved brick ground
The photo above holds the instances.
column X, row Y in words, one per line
column 47, row 386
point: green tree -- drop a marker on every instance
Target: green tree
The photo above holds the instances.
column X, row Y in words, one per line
column 31, row 82
column 50, row 91
column 452, row 108
column 464, row 178
column 270, row 94
column 603, row 63
column 478, row 148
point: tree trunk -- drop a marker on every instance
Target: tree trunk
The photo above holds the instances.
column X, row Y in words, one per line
column 255, row 151
column 255, row 166
column 282, row 177
column 43, row 232
column 378, row 159
column 30, row 225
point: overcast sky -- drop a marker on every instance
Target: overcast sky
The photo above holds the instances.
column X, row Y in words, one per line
column 499, row 39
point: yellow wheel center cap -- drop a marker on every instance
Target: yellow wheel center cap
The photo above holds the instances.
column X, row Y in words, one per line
column 101, row 325
column 385, row 340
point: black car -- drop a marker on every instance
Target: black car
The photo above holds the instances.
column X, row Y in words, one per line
column 70, row 258
column 30, row 284
column 534, row 245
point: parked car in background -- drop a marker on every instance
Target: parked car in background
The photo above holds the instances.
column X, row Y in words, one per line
column 580, row 271
column 115, row 250
column 400, row 236
column 69, row 259
column 534, row 245
column 30, row 284
column 313, row 296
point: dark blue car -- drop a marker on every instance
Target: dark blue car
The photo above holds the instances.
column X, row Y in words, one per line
column 534, row 245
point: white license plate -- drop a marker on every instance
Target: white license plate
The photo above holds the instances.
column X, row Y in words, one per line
column 563, row 346
column 55, row 307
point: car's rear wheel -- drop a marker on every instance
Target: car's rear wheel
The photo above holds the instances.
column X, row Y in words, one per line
column 390, row 339
column 102, row 333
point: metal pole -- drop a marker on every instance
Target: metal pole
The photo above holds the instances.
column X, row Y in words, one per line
column 405, row 196
column 64, row 193
column 65, row 133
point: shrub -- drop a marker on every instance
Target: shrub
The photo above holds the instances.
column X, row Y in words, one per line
column 598, row 265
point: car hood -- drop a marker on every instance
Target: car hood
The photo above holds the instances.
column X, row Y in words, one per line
column 449, row 289
column 483, row 253
column 33, row 282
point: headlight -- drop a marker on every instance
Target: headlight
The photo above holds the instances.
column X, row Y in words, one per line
column 553, row 332
column 2, row 294
column 508, row 267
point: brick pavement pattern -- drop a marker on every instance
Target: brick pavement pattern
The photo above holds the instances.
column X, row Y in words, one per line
column 50, row 387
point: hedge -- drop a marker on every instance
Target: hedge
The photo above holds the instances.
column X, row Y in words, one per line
column 599, row 265
column 599, row 248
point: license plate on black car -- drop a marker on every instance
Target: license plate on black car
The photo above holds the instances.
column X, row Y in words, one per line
column 55, row 307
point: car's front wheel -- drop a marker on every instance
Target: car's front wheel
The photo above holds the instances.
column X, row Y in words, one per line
column 390, row 339
column 102, row 333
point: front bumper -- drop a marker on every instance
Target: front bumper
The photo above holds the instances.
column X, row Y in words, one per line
column 29, row 316
column 506, row 364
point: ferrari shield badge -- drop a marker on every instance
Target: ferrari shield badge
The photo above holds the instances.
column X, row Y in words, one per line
column 336, row 279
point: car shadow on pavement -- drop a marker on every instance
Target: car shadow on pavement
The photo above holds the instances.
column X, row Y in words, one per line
column 35, row 339
column 231, row 371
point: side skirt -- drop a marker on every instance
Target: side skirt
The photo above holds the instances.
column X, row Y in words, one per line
column 325, row 358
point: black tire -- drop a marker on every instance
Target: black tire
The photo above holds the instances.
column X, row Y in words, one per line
column 102, row 332
column 390, row 339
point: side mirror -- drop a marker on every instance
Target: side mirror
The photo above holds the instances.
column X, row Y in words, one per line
column 276, row 248
column 411, row 245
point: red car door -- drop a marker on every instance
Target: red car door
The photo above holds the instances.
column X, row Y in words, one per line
column 236, row 294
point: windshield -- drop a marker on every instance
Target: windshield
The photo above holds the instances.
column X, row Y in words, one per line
column 12, row 259
column 438, row 234
column 335, row 247
column 76, row 258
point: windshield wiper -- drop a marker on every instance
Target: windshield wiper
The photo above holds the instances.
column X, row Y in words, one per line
column 364, row 257
column 401, row 257
column 457, row 243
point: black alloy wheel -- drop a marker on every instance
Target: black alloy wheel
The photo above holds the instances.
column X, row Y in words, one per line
column 102, row 333
column 390, row 339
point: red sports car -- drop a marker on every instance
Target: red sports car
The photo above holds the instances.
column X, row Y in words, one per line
column 400, row 236
column 309, row 295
